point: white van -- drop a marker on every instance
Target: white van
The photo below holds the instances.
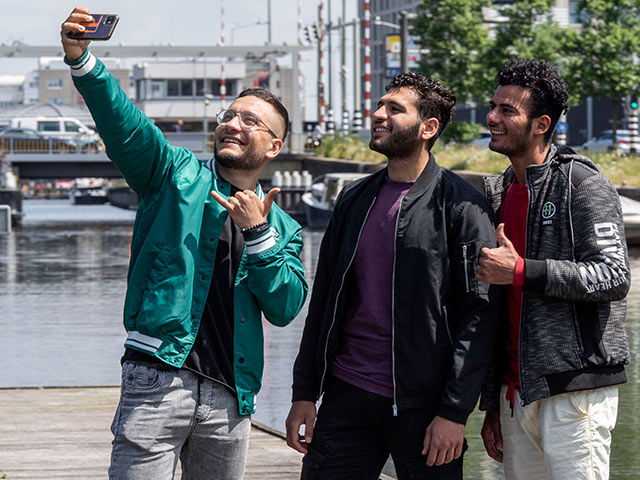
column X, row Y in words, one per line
column 61, row 127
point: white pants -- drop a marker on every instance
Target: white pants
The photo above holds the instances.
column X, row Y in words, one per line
column 567, row 436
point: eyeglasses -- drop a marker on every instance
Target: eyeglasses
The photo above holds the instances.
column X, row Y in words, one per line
column 247, row 119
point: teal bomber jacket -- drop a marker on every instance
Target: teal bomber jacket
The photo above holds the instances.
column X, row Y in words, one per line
column 175, row 236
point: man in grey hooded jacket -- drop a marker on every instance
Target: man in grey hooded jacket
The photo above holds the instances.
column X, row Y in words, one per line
column 551, row 397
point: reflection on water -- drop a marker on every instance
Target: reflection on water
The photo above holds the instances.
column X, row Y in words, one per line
column 63, row 277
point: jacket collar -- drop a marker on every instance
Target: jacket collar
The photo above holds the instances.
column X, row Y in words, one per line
column 427, row 177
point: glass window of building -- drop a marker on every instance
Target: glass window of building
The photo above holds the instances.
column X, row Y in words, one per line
column 157, row 88
column 55, row 83
column 173, row 88
column 186, row 87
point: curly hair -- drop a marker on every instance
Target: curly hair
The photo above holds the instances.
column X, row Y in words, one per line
column 270, row 98
column 436, row 100
column 549, row 92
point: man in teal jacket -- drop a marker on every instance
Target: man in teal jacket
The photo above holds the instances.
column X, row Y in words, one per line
column 204, row 268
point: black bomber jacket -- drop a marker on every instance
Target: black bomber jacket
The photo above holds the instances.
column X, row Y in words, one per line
column 444, row 321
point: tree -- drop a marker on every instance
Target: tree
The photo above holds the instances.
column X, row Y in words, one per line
column 603, row 55
column 528, row 32
column 454, row 33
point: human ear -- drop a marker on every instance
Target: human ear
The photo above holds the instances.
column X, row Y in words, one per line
column 429, row 129
column 542, row 124
column 274, row 148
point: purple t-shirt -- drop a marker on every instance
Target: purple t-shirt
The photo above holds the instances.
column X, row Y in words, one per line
column 364, row 358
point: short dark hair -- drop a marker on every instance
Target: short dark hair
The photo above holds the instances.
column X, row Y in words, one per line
column 549, row 94
column 270, row 98
column 436, row 100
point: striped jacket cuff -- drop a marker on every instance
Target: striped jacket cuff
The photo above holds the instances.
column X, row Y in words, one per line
column 262, row 243
column 82, row 65
column 140, row 341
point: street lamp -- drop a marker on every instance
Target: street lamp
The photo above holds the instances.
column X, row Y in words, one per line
column 404, row 36
column 259, row 22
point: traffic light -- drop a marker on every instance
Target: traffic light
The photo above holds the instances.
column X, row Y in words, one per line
column 633, row 102
column 316, row 31
column 307, row 33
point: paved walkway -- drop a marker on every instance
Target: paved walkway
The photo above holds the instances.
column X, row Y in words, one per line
column 63, row 433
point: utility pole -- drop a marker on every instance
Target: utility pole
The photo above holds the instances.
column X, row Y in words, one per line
column 404, row 41
column 269, row 20
column 330, row 75
column 632, row 121
column 320, row 35
column 357, row 88
column 343, row 71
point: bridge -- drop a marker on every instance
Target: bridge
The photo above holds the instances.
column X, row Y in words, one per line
column 45, row 161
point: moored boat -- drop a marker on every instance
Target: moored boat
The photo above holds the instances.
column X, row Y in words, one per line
column 320, row 199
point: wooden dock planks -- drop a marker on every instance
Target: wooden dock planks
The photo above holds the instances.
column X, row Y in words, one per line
column 63, row 433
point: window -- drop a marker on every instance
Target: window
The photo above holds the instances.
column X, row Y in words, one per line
column 49, row 126
column 575, row 16
column 186, row 88
column 157, row 88
column 56, row 100
column 71, row 127
column 173, row 88
column 55, row 83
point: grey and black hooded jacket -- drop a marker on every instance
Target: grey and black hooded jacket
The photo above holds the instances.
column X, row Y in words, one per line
column 572, row 324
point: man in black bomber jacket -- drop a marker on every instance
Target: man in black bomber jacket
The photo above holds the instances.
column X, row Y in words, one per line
column 552, row 392
column 398, row 332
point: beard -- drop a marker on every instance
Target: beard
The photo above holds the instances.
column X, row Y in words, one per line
column 251, row 160
column 399, row 143
column 518, row 142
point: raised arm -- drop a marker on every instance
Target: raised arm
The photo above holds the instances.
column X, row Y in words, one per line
column 134, row 144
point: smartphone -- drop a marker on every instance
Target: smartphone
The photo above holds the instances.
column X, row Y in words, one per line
column 101, row 29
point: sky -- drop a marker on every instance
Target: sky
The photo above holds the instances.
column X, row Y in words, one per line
column 183, row 22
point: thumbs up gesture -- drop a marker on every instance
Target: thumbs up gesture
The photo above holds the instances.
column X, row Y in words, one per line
column 245, row 208
column 497, row 265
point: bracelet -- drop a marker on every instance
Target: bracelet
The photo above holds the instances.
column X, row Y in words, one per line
column 258, row 228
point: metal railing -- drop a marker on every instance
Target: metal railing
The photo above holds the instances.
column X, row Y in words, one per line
column 46, row 145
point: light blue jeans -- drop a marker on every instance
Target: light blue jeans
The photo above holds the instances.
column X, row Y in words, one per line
column 164, row 416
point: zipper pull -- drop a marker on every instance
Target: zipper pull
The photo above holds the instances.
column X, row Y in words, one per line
column 395, row 410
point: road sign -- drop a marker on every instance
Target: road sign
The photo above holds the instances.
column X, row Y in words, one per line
column 562, row 127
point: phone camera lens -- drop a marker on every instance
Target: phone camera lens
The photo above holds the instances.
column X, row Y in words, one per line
column 109, row 20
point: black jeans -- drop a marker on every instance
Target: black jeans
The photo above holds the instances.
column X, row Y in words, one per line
column 356, row 431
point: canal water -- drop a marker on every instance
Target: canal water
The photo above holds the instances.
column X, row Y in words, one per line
column 62, row 283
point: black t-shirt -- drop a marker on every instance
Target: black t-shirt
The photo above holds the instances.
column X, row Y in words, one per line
column 212, row 353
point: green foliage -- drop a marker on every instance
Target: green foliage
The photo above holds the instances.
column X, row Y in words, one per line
column 461, row 132
column 529, row 32
column 349, row 148
column 602, row 58
column 454, row 33
column 599, row 60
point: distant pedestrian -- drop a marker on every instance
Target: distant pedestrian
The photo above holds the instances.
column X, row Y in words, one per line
column 177, row 127
column 398, row 332
column 552, row 394
column 210, row 256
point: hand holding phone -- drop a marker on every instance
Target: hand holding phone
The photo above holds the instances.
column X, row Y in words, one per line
column 101, row 28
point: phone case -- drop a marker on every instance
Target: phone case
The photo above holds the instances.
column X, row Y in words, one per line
column 101, row 29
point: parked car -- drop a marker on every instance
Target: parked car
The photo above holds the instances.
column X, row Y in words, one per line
column 27, row 140
column 68, row 128
column 483, row 140
column 604, row 142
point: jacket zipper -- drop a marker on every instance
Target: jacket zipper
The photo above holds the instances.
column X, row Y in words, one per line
column 466, row 266
column 393, row 314
column 522, row 295
column 335, row 306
